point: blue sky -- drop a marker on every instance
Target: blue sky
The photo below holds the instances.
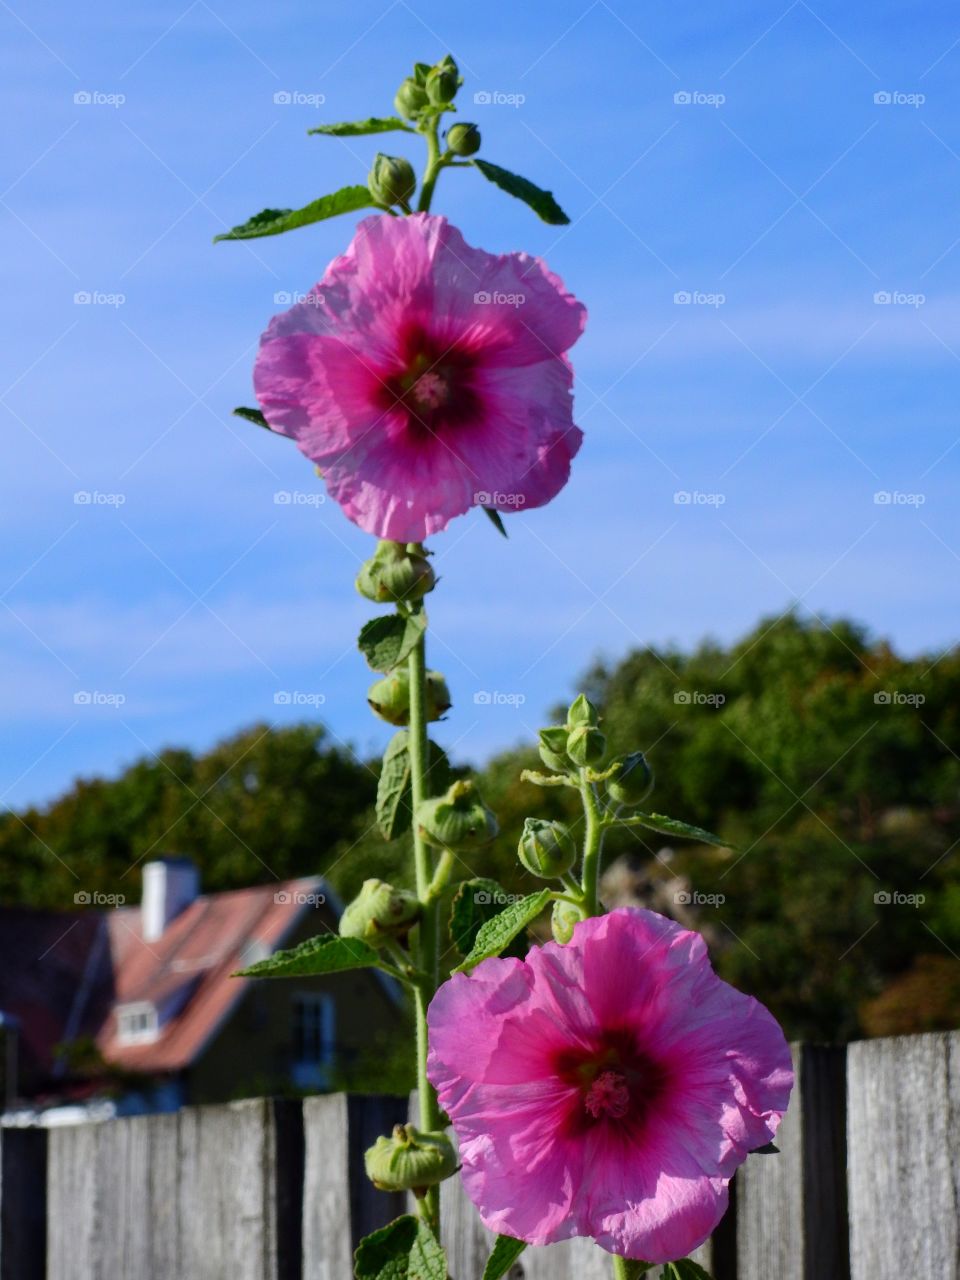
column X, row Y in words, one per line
column 782, row 196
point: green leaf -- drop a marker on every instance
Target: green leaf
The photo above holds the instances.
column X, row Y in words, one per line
column 271, row 222
column 504, row 1254
column 393, row 788
column 405, row 1249
column 674, row 827
column 495, row 520
column 685, row 1269
column 387, row 640
column 633, row 1268
column 355, row 128
column 326, row 953
column 394, row 805
column 254, row 416
column 475, row 902
column 495, row 934
column 541, row 202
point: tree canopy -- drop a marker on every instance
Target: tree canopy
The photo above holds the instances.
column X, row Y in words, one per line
column 828, row 761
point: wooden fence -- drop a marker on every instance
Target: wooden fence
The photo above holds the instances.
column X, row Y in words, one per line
column 866, row 1186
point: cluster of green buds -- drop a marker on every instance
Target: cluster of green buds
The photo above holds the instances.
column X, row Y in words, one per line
column 458, row 820
column 389, row 697
column 379, row 913
column 577, row 743
column 580, row 743
column 396, row 573
column 429, row 89
column 410, row 1160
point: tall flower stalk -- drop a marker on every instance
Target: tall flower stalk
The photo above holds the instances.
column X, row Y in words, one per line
column 423, row 378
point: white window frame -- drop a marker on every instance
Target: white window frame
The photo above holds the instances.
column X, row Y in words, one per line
column 143, row 1011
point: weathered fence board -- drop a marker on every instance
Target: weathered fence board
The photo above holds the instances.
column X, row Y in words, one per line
column 790, row 1207
column 339, row 1204
column 904, row 1157
column 205, row 1193
column 23, row 1204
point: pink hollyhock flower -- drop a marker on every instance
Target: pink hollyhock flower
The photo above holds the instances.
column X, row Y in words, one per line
column 606, row 1088
column 425, row 377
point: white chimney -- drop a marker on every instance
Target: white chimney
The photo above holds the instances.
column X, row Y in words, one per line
column 169, row 885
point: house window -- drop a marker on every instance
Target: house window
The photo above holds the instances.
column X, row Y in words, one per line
column 137, row 1023
column 313, row 1037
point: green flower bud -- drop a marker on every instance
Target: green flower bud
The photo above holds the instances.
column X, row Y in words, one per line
column 443, row 81
column 546, row 849
column 586, row 745
column 463, row 139
column 411, row 98
column 410, row 1160
column 632, row 781
column 563, row 921
column 389, row 697
column 379, row 912
column 420, row 72
column 438, row 696
column 582, row 711
column 396, row 571
column 458, row 820
column 553, row 749
column 391, row 180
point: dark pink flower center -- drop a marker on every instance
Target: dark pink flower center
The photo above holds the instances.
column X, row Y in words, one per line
column 615, row 1079
column 434, row 386
column 608, row 1095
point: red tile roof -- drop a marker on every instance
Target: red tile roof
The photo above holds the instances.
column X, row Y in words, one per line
column 194, row 958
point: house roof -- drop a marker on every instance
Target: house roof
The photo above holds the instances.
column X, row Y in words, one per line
column 55, row 979
column 190, row 966
column 63, row 974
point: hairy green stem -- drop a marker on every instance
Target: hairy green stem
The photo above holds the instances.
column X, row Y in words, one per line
column 592, row 845
column 434, row 164
column 428, row 929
